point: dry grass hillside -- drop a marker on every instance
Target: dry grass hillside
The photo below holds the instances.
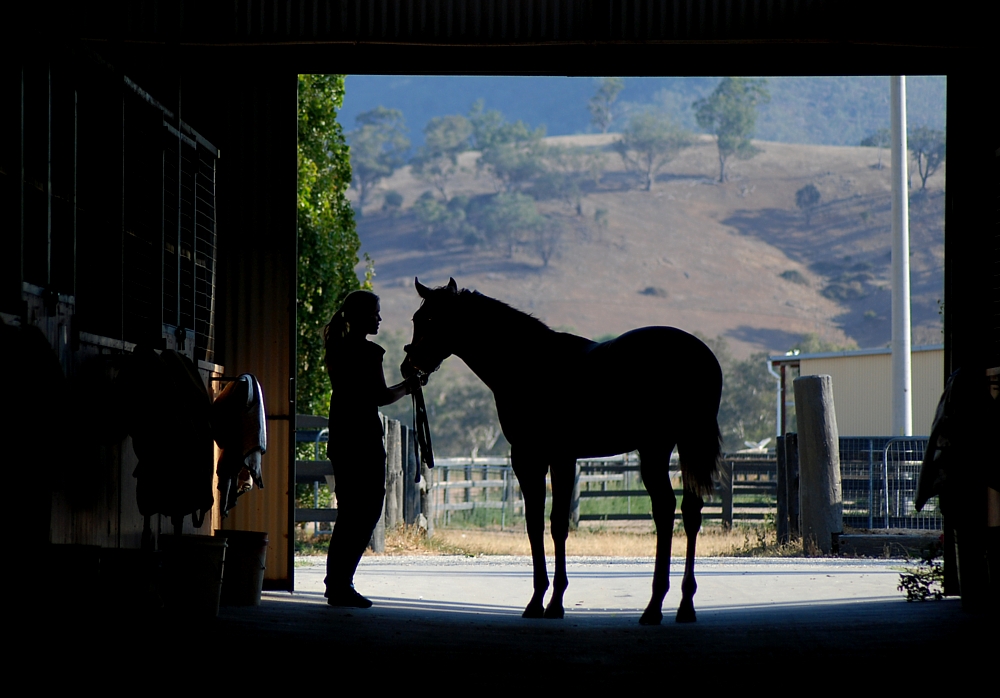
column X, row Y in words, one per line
column 734, row 259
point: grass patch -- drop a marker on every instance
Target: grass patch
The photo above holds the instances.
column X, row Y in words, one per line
column 633, row 539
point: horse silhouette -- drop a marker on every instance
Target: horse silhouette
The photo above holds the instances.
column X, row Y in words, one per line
column 561, row 397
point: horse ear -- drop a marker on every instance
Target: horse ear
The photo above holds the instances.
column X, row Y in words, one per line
column 452, row 286
column 422, row 290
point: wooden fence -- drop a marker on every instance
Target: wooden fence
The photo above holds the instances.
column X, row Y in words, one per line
column 745, row 492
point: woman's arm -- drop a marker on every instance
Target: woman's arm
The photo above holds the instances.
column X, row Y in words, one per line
column 396, row 392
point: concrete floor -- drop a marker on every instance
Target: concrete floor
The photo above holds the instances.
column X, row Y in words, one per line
column 450, row 621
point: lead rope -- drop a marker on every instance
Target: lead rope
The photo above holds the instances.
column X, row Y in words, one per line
column 425, row 455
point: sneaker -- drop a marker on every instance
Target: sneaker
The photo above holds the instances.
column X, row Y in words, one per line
column 347, row 598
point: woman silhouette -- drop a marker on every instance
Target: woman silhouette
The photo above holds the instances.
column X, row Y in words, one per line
column 355, row 447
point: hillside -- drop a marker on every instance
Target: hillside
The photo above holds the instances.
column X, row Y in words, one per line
column 734, row 259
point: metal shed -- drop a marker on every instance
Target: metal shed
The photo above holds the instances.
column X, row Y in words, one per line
column 862, row 385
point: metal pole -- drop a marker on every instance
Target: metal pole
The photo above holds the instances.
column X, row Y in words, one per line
column 902, row 409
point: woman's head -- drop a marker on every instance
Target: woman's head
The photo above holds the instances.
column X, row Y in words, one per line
column 358, row 316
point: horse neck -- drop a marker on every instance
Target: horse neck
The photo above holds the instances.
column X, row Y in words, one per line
column 499, row 354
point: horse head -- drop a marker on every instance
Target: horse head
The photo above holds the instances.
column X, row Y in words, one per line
column 433, row 329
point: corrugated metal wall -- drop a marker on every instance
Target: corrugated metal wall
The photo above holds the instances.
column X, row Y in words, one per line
column 456, row 21
column 253, row 119
column 862, row 390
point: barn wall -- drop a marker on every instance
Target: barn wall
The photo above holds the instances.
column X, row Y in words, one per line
column 862, row 390
column 252, row 120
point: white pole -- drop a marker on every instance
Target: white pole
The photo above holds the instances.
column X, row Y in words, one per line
column 902, row 410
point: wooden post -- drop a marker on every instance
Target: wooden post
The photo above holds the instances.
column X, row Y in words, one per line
column 393, row 474
column 820, row 496
column 411, row 488
column 574, row 507
column 792, row 484
column 781, row 515
column 726, row 492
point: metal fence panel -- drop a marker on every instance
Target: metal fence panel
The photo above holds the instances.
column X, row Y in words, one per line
column 879, row 480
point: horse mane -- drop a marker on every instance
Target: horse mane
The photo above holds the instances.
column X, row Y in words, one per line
column 499, row 313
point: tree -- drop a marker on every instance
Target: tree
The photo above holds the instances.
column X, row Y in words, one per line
column 878, row 139
column 378, row 147
column 649, row 142
column 508, row 218
column 327, row 240
column 730, row 114
column 746, row 411
column 807, row 198
column 511, row 152
column 445, row 138
column 548, row 234
column 567, row 170
column 601, row 105
column 928, row 148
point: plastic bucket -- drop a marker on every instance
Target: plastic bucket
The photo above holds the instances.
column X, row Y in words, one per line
column 246, row 557
column 192, row 574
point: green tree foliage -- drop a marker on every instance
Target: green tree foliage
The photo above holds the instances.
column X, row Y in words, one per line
column 440, row 221
column 509, row 220
column 747, row 409
column 602, row 105
column 928, row 148
column 378, row 147
column 445, row 138
column 568, row 170
column 511, row 152
column 807, row 198
column 730, row 114
column 812, row 343
column 649, row 142
column 327, row 240
column 877, row 139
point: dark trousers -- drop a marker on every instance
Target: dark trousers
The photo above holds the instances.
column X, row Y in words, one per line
column 360, row 489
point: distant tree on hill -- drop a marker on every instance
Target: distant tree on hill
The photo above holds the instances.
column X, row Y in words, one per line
column 445, row 138
column 378, row 147
column 807, row 198
column 928, row 148
column 511, row 152
column 649, row 142
column 730, row 113
column 508, row 219
column 878, row 139
column 438, row 219
column 567, row 171
column 548, row 234
column 602, row 105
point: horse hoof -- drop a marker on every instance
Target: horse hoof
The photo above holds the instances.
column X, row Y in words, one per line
column 554, row 612
column 685, row 614
column 533, row 611
column 651, row 617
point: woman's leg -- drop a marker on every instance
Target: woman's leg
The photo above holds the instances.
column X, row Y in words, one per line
column 360, row 494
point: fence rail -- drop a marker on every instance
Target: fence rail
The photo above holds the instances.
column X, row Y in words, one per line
column 607, row 489
column 878, row 479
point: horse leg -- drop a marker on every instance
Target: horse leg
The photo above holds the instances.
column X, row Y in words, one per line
column 691, row 511
column 655, row 470
column 531, row 476
column 563, row 473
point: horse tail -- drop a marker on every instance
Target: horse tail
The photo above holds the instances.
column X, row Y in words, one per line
column 700, row 441
column 700, row 450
